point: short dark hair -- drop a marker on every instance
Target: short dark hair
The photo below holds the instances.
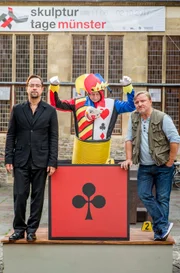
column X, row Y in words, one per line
column 34, row 76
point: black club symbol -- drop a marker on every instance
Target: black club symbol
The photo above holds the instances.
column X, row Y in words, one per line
column 98, row 201
column 102, row 127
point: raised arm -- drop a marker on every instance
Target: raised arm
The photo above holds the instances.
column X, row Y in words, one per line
column 61, row 105
column 126, row 106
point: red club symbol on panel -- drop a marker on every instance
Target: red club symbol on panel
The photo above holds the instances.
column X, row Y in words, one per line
column 97, row 201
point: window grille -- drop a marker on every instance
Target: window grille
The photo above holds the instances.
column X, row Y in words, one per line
column 155, row 51
column 115, row 73
column 173, row 59
column 40, row 55
column 5, row 58
column 79, row 56
column 22, row 57
column 20, row 94
column 172, row 94
column 172, row 104
column 4, row 115
column 115, row 59
column 6, row 76
column 117, row 94
column 21, row 68
column 97, row 55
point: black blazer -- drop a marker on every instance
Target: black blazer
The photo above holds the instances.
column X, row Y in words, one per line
column 37, row 136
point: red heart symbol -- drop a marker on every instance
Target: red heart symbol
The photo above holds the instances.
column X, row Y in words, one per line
column 105, row 113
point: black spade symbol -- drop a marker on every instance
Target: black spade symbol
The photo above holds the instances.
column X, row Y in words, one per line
column 98, row 201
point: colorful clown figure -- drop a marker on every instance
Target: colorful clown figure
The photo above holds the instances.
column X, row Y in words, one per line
column 95, row 116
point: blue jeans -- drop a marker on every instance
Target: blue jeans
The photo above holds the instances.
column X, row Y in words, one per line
column 158, row 205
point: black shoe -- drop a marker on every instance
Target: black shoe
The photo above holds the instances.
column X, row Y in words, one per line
column 16, row 236
column 31, row 237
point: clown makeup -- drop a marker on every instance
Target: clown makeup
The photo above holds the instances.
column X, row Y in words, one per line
column 95, row 96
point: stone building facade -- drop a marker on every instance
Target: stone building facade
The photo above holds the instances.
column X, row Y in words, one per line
column 150, row 58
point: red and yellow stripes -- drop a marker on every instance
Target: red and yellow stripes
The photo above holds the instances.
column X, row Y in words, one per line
column 85, row 128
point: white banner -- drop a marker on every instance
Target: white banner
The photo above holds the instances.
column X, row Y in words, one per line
column 81, row 18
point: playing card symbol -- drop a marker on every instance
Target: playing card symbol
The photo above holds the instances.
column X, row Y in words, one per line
column 105, row 113
column 102, row 127
column 102, row 136
column 98, row 201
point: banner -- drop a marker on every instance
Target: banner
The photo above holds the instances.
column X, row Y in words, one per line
column 81, row 18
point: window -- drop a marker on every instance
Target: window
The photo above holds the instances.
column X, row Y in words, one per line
column 155, row 51
column 27, row 61
column 115, row 66
column 172, row 70
column 22, row 57
column 172, row 59
column 40, row 56
column 79, row 56
column 172, row 104
column 5, row 76
column 5, row 58
column 97, row 55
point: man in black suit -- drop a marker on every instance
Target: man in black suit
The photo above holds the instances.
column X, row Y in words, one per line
column 31, row 152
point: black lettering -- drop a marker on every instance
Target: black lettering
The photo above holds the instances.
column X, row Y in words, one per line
column 40, row 12
column 70, row 12
column 38, row 24
column 47, row 12
column 52, row 11
column 76, row 10
column 52, row 25
column 32, row 24
column 33, row 12
column 64, row 11
column 45, row 26
column 57, row 13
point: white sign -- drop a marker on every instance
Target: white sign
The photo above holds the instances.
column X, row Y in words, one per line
column 81, row 18
column 4, row 93
column 155, row 94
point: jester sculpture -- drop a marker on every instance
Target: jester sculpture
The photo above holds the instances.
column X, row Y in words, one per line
column 95, row 116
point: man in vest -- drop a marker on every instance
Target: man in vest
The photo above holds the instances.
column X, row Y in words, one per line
column 152, row 142
column 95, row 116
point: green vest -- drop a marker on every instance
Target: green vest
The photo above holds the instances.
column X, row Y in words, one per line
column 159, row 145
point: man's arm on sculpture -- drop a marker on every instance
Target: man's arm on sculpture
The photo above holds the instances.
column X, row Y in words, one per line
column 128, row 162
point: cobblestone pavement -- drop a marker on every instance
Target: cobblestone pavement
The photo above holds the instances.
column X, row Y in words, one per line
column 6, row 217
